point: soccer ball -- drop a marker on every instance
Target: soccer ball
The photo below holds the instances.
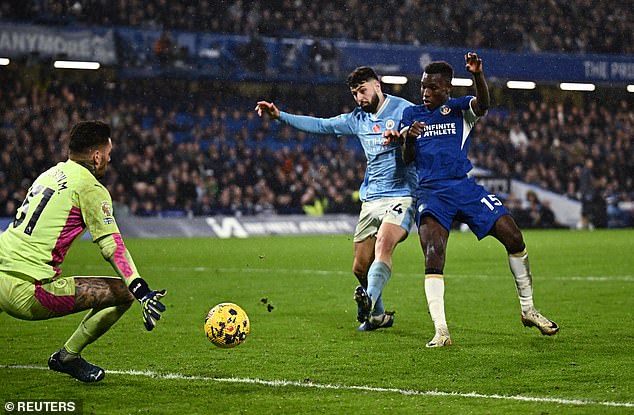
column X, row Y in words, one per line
column 227, row 325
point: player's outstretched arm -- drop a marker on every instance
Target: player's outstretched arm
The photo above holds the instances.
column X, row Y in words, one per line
column 335, row 125
column 269, row 108
column 483, row 100
column 114, row 251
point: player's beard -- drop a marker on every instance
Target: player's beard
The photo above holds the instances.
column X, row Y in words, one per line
column 100, row 171
column 373, row 105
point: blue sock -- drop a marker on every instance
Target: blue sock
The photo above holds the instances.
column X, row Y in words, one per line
column 378, row 275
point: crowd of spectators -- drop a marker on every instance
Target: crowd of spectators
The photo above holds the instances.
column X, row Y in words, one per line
column 540, row 25
column 212, row 160
column 214, row 156
column 585, row 152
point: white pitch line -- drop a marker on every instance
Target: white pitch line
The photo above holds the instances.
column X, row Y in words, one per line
column 408, row 392
column 254, row 270
column 627, row 278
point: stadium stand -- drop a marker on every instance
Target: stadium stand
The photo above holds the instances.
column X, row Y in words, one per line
column 213, row 160
column 186, row 148
column 542, row 25
column 206, row 158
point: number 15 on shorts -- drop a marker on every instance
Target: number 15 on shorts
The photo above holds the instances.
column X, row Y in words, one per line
column 491, row 201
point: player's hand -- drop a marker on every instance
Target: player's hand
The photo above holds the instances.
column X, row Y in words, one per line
column 152, row 308
column 391, row 136
column 415, row 130
column 473, row 63
column 269, row 108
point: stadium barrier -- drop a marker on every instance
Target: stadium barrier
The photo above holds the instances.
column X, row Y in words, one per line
column 236, row 227
column 288, row 59
column 252, row 226
column 227, row 226
column 567, row 211
column 82, row 44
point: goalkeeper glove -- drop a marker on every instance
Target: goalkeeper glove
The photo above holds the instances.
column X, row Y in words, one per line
column 150, row 302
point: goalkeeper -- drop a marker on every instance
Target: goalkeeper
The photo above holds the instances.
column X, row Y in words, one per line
column 61, row 204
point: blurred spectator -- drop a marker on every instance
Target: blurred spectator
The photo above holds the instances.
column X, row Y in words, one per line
column 548, row 219
column 165, row 49
column 539, row 213
column 586, row 195
column 312, row 204
column 324, row 58
column 520, row 215
column 533, row 207
column 254, row 55
column 291, row 57
column 517, row 136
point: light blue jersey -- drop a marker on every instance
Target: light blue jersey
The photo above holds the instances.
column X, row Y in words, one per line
column 386, row 174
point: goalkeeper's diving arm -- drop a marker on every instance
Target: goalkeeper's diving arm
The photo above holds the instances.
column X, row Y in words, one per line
column 115, row 252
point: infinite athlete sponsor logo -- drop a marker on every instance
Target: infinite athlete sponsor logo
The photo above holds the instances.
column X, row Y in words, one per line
column 434, row 130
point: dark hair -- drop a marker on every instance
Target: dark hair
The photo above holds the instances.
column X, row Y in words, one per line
column 440, row 67
column 361, row 75
column 87, row 134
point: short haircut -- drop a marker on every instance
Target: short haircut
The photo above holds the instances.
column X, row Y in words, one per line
column 88, row 134
column 440, row 67
column 360, row 75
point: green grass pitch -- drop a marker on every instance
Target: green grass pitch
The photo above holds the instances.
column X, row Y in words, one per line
column 306, row 356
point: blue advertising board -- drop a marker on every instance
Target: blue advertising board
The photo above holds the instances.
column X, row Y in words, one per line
column 294, row 59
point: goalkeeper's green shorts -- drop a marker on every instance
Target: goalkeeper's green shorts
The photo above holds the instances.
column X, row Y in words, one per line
column 28, row 299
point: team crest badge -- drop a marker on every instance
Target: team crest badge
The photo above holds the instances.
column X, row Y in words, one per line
column 444, row 110
column 389, row 124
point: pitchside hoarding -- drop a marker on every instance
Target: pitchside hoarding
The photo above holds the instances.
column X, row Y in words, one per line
column 219, row 56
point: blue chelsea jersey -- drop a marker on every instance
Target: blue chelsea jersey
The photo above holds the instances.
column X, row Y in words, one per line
column 441, row 150
column 386, row 174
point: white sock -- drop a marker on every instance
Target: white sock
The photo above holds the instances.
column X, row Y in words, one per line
column 523, row 279
column 435, row 293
